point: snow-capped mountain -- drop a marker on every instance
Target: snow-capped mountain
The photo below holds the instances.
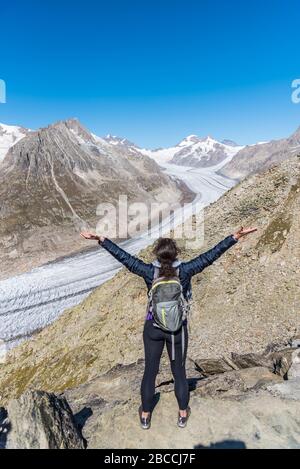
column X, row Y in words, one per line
column 9, row 135
column 114, row 140
column 195, row 151
column 123, row 144
column 230, row 143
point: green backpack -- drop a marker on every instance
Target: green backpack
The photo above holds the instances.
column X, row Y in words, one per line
column 168, row 305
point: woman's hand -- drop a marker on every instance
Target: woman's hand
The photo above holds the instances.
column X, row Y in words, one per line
column 243, row 232
column 88, row 235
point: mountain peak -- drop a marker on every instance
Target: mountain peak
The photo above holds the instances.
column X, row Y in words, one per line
column 76, row 127
column 208, row 138
column 189, row 140
column 115, row 140
column 229, row 143
column 72, row 123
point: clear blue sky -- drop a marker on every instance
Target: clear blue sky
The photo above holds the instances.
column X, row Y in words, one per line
column 153, row 70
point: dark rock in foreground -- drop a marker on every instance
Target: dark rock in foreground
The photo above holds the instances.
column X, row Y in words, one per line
column 41, row 420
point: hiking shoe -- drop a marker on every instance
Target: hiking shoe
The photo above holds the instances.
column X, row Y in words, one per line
column 182, row 421
column 145, row 422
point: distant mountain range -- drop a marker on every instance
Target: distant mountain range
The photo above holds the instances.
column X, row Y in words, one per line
column 254, row 158
column 200, row 152
column 236, row 161
column 196, row 152
column 191, row 151
column 52, row 179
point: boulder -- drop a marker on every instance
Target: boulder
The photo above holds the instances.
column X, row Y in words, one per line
column 278, row 361
column 213, row 366
column 41, row 420
column 282, row 361
column 249, row 360
column 233, row 383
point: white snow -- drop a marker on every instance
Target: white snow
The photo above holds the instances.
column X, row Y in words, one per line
column 258, row 143
column 189, row 140
column 99, row 140
column 160, row 156
column 192, row 146
column 9, row 136
column 95, row 139
column 79, row 139
column 115, row 139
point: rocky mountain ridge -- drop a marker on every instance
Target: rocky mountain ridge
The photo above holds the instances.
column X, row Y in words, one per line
column 259, row 157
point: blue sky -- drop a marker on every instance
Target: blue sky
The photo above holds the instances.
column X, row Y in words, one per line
column 153, row 71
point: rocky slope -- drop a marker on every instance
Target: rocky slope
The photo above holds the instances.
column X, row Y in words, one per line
column 245, row 300
column 264, row 412
column 264, row 407
column 51, row 183
column 259, row 157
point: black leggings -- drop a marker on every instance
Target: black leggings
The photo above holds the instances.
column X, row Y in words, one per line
column 154, row 341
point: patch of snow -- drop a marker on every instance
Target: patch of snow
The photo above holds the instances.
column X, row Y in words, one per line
column 258, row 143
column 99, row 140
column 160, row 156
column 9, row 136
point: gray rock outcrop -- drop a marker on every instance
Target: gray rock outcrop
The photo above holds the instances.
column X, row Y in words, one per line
column 247, row 408
column 41, row 420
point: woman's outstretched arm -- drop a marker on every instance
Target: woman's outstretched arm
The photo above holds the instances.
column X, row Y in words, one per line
column 132, row 263
column 196, row 265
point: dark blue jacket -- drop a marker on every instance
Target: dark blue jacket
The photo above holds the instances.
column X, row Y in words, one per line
column 186, row 269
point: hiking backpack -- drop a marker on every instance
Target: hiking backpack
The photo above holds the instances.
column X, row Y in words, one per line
column 167, row 304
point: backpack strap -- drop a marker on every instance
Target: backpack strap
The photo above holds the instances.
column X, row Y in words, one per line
column 173, row 346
